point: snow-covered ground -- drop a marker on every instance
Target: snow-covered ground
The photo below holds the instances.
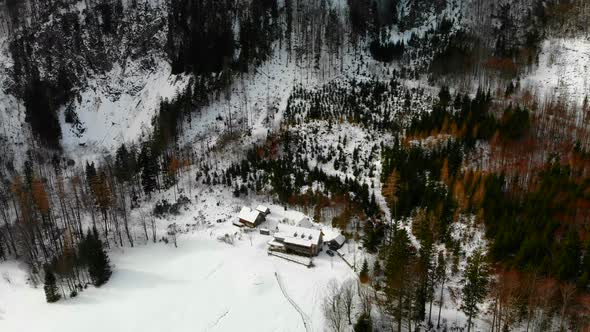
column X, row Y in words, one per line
column 118, row 107
column 563, row 71
column 14, row 134
column 203, row 285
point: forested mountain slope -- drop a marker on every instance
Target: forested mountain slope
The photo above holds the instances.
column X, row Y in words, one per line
column 447, row 140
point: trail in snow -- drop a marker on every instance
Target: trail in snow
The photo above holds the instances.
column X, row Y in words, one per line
column 213, row 270
column 304, row 317
column 218, row 320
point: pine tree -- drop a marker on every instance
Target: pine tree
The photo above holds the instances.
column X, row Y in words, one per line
column 51, row 292
column 424, row 269
column 398, row 271
column 476, row 285
column 149, row 169
column 364, row 274
column 99, row 266
column 364, row 323
column 441, row 278
column 124, row 164
column 376, row 268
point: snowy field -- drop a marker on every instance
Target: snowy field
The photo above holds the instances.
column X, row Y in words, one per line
column 203, row 285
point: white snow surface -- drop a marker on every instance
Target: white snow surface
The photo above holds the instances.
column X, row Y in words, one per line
column 119, row 106
column 563, row 71
column 203, row 285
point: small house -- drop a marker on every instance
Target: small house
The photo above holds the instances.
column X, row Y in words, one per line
column 264, row 231
column 337, row 242
column 263, row 209
column 249, row 217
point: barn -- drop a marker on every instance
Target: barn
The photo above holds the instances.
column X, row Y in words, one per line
column 249, row 217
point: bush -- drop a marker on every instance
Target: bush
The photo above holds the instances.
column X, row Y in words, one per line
column 364, row 323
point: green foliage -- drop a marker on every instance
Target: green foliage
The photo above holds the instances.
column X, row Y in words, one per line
column 424, row 269
column 526, row 230
column 199, row 41
column 515, row 123
column 399, row 256
column 469, row 121
column 150, row 168
column 125, row 164
column 475, row 287
column 373, row 234
column 417, row 167
column 364, row 273
column 364, row 323
column 386, row 52
column 286, row 174
column 93, row 253
column 51, row 291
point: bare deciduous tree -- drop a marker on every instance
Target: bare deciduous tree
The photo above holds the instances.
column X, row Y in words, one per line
column 333, row 307
column 347, row 291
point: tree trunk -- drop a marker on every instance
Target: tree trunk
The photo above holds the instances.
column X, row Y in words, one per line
column 430, row 310
column 399, row 311
column 442, row 288
column 125, row 219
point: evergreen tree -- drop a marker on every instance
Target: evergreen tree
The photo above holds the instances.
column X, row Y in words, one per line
column 475, row 286
column 424, row 269
column 149, row 169
column 441, row 278
column 51, row 292
column 398, row 270
column 364, row 274
column 376, row 268
column 364, row 323
column 568, row 257
column 124, row 164
column 585, row 277
column 99, row 266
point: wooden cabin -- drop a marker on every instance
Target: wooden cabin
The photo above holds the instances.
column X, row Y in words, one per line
column 249, row 217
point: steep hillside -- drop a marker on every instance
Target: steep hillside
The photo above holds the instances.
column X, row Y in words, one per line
column 446, row 141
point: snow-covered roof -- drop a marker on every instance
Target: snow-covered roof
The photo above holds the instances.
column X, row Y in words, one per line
column 340, row 239
column 299, row 241
column 274, row 243
column 304, row 222
column 248, row 214
column 262, row 208
column 298, row 235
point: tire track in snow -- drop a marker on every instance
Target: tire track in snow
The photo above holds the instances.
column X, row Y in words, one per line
column 304, row 317
column 218, row 320
column 213, row 271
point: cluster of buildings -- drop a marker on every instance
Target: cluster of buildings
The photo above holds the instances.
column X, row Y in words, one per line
column 252, row 218
column 302, row 238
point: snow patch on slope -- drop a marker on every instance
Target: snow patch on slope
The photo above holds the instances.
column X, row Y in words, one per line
column 563, row 71
column 14, row 132
column 118, row 107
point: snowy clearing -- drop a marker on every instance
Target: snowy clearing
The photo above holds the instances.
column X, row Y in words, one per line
column 203, row 285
